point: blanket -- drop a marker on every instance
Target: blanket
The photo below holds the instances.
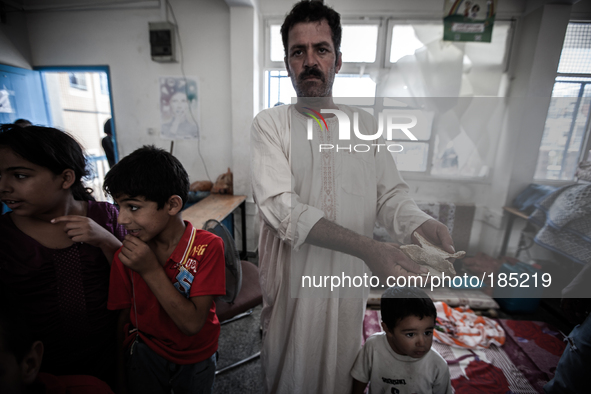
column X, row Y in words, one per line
column 535, row 348
column 524, row 364
column 565, row 220
column 461, row 327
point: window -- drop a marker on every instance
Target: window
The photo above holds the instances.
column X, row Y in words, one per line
column 104, row 82
column 352, row 85
column 359, row 45
column 404, row 40
column 415, row 154
column 393, row 58
column 359, row 42
column 277, row 52
column 78, row 81
column 567, row 123
column 279, row 88
column 80, row 103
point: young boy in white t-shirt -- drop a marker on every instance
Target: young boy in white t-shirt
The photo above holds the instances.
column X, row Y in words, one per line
column 400, row 359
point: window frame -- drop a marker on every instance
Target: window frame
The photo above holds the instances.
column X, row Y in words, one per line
column 391, row 22
column 103, row 83
column 268, row 63
column 362, row 67
column 85, row 69
column 266, row 84
column 347, row 67
column 77, row 86
column 586, row 143
column 383, row 49
column 430, row 143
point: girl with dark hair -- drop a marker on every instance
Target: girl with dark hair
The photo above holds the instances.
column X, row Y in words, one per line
column 56, row 247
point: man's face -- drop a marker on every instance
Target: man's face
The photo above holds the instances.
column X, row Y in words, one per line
column 311, row 59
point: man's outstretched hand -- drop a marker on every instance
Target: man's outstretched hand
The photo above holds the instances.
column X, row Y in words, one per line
column 383, row 259
column 436, row 233
column 386, row 259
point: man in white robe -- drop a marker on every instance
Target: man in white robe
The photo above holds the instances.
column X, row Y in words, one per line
column 317, row 212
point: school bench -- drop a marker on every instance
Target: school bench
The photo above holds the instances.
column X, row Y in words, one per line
column 218, row 207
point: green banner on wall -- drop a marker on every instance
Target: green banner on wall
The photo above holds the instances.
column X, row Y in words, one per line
column 469, row 20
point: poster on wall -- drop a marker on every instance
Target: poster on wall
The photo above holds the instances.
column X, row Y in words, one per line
column 469, row 20
column 179, row 108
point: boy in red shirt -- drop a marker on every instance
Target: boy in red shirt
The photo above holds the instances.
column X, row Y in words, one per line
column 164, row 278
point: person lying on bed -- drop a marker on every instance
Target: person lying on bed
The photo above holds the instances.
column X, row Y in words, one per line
column 400, row 359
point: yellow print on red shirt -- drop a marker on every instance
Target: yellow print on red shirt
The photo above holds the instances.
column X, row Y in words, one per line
column 199, row 250
column 188, row 267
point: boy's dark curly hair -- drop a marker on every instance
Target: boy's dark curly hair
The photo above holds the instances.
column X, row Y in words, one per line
column 148, row 172
column 400, row 302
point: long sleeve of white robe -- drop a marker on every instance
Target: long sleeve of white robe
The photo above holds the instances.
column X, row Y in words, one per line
column 310, row 344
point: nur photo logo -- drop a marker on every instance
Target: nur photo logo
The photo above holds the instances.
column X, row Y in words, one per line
column 391, row 123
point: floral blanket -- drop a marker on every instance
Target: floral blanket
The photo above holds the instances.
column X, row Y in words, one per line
column 461, row 327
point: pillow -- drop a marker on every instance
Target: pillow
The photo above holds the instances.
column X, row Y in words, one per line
column 532, row 194
column 583, row 172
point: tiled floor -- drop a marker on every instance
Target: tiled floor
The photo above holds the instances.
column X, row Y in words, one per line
column 238, row 340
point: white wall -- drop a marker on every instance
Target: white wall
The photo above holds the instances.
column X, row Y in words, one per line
column 244, row 76
column 119, row 38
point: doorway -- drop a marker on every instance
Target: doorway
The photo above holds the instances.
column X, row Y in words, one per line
column 79, row 102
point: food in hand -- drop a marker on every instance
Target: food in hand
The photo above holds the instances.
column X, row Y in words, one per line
column 429, row 255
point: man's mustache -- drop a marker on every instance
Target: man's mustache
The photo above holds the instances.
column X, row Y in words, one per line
column 311, row 72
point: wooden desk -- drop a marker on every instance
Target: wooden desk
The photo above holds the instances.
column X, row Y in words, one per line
column 218, row 207
column 513, row 213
